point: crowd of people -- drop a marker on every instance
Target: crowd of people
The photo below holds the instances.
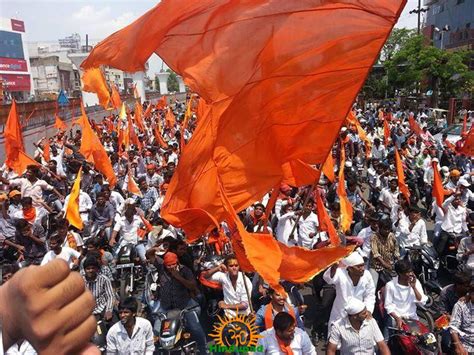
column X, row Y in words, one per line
column 359, row 302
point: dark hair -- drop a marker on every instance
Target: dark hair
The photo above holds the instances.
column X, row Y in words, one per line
column 283, row 321
column 21, row 224
column 229, row 258
column 385, row 223
column 403, row 266
column 26, row 200
column 461, row 278
column 33, row 169
column 91, row 260
column 55, row 237
column 259, row 205
column 141, row 179
column 129, row 303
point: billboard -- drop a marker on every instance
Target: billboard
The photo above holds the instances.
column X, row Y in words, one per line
column 15, row 82
column 11, row 45
column 12, row 64
column 18, row 25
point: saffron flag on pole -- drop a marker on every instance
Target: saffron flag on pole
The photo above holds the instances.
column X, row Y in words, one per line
column 415, row 128
column 46, row 151
column 139, row 116
column 325, row 222
column 72, row 210
column 170, row 119
column 13, row 139
column 401, row 177
column 59, row 123
column 344, row 203
column 386, row 132
column 468, row 145
column 328, row 167
column 284, row 95
column 93, row 80
column 115, row 98
column 438, row 190
column 132, row 186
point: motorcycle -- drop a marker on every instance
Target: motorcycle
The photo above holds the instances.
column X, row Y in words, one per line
column 99, row 339
column 128, row 269
column 173, row 338
column 150, row 298
column 414, row 338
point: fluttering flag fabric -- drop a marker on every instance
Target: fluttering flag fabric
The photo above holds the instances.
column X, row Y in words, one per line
column 23, row 161
column 46, row 152
column 401, row 177
column 187, row 117
column 170, row 119
column 139, row 116
column 352, row 119
column 344, row 203
column 59, row 123
column 415, row 128
column 274, row 83
column 386, row 132
column 132, row 186
column 438, row 190
column 115, row 98
column 147, row 112
column 93, row 80
column 72, row 209
column 328, row 167
column 468, row 145
column 13, row 139
column 94, row 152
column 325, row 223
column 162, row 103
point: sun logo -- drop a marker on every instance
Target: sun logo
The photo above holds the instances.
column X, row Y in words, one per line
column 239, row 331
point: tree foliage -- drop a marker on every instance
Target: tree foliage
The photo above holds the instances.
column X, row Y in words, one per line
column 173, row 84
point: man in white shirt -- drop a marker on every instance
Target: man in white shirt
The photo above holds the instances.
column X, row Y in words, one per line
column 413, row 233
column 389, row 198
column 352, row 281
column 358, row 333
column 454, row 221
column 308, row 226
column 286, row 225
column 128, row 227
column 402, row 295
column 236, row 293
column 132, row 335
column 378, row 150
column 70, row 255
column 285, row 338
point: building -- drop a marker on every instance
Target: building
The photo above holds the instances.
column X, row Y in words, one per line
column 450, row 24
column 15, row 70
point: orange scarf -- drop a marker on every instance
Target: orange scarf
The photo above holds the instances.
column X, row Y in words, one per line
column 29, row 214
column 285, row 349
column 269, row 314
column 71, row 241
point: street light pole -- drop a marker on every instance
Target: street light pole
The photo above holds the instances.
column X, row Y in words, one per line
column 418, row 11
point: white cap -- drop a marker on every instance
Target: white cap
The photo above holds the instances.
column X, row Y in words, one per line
column 354, row 306
column 435, row 160
column 343, row 129
column 464, row 182
column 354, row 259
column 348, row 164
column 445, row 169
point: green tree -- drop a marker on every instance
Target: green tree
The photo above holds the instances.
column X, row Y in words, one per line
column 173, row 84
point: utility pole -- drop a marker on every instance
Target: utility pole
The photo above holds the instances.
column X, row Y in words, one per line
column 418, row 11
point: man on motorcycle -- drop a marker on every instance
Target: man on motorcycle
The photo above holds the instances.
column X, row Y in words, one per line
column 100, row 287
column 102, row 214
column 402, row 295
column 177, row 288
column 132, row 335
column 357, row 333
column 71, row 256
column 266, row 313
column 454, row 221
column 31, row 238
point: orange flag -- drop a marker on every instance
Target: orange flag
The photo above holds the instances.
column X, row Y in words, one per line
column 345, row 204
column 170, row 119
column 328, row 167
column 139, row 116
column 468, row 146
column 94, row 152
column 438, row 190
column 23, row 161
column 352, row 119
column 46, row 152
column 386, row 132
column 93, row 80
column 325, row 222
column 276, row 94
column 147, row 111
column 72, row 209
column 415, row 128
column 162, row 103
column 59, row 123
column 13, row 139
column 132, row 186
column 159, row 138
column 115, row 98
column 187, row 116
column 133, row 135
column 464, row 124
column 401, row 177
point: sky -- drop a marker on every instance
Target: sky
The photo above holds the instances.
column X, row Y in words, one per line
column 49, row 20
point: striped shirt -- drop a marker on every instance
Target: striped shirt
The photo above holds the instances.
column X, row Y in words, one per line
column 101, row 289
column 462, row 322
column 355, row 342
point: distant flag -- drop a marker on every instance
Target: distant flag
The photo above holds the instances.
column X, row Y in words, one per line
column 464, row 124
column 72, row 209
column 328, row 167
column 59, row 123
column 132, row 186
column 386, row 132
column 344, row 203
column 115, row 98
column 438, row 190
column 401, row 177
column 62, row 98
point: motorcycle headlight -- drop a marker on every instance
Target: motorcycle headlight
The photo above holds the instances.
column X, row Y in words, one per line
column 436, row 264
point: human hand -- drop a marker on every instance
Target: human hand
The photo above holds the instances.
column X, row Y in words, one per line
column 459, row 349
column 222, row 268
column 412, row 281
column 48, row 306
column 108, row 315
column 222, row 305
column 399, row 322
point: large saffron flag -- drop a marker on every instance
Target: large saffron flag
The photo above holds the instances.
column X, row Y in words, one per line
column 72, row 209
column 401, row 177
column 468, row 145
column 278, row 77
column 13, row 139
column 94, row 152
column 93, row 80
column 438, row 190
